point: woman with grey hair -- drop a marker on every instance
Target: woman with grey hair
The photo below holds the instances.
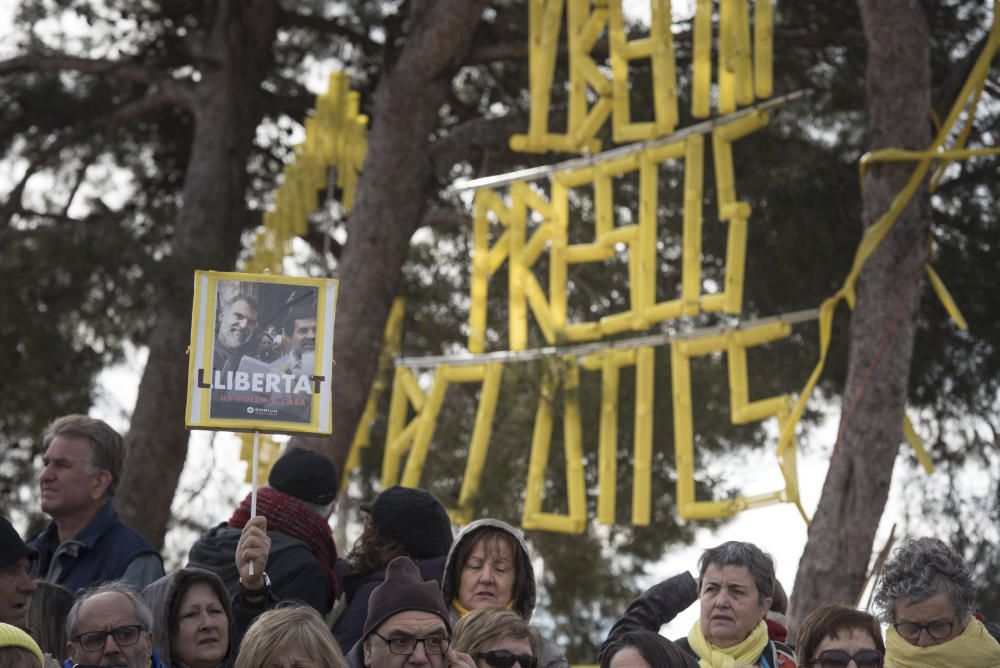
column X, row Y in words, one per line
column 926, row 594
column 735, row 588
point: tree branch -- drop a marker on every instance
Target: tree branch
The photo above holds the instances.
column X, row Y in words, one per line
column 61, row 63
column 178, row 91
column 489, row 53
column 490, row 136
column 954, row 79
column 992, row 88
column 294, row 106
column 318, row 239
column 480, row 133
column 14, row 233
column 325, row 26
column 439, row 217
column 124, row 114
column 85, row 164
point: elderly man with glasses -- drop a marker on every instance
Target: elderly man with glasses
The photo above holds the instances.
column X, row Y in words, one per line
column 407, row 624
column 111, row 626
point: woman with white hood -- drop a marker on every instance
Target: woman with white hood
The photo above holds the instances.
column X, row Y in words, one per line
column 489, row 566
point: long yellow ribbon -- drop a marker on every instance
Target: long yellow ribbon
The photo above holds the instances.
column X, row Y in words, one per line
column 876, row 233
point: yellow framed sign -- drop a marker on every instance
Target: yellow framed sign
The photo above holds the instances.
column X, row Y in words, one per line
column 261, row 356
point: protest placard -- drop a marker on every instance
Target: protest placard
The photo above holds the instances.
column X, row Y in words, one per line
column 261, row 356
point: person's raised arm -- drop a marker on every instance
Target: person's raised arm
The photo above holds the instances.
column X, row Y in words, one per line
column 254, row 596
column 655, row 607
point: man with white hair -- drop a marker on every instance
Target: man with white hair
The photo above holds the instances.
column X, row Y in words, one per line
column 111, row 626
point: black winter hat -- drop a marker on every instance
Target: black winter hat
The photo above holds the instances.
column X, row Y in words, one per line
column 12, row 548
column 414, row 519
column 306, row 475
column 404, row 590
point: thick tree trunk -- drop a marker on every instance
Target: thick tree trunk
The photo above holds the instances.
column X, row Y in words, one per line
column 836, row 557
column 227, row 110
column 393, row 191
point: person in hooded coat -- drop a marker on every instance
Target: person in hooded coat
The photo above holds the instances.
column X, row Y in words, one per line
column 489, row 566
column 195, row 623
column 192, row 619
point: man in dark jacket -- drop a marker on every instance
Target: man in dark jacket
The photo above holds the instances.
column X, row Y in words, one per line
column 297, row 503
column 86, row 543
column 407, row 624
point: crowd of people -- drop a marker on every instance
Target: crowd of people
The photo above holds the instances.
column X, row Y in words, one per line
column 270, row 591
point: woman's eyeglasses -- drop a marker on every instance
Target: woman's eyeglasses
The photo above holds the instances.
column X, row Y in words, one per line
column 838, row 658
column 501, row 658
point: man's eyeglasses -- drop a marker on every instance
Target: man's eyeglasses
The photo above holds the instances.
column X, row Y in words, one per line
column 123, row 635
column 938, row 630
column 501, row 658
column 838, row 658
column 408, row 644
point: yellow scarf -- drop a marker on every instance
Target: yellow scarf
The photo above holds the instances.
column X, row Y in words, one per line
column 463, row 611
column 744, row 653
column 975, row 648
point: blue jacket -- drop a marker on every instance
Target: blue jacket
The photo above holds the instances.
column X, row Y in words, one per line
column 101, row 552
column 155, row 662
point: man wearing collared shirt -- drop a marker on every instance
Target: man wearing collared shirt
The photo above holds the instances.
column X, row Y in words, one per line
column 86, row 543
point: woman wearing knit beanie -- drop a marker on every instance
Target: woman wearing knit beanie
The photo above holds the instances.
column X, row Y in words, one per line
column 401, row 522
column 489, row 566
column 18, row 650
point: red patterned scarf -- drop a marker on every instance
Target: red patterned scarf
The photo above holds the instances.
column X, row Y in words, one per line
column 290, row 516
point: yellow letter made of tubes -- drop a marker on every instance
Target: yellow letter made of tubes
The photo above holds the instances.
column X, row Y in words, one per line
column 532, row 222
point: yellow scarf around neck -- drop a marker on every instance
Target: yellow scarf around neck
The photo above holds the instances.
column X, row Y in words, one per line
column 744, row 653
column 463, row 611
column 975, row 648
